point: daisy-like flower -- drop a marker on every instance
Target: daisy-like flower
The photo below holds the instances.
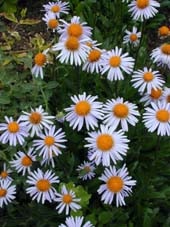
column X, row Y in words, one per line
column 48, row 162
column 163, row 31
column 41, row 187
column 51, row 21
column 146, row 79
column 72, row 50
column 161, row 55
column 157, row 118
column 40, row 61
column 153, row 96
column 5, row 173
column 36, row 120
column 76, row 222
column 86, row 170
column 75, row 28
column 132, row 37
column 114, row 62
column 50, row 143
column 67, row 200
column 7, row 192
column 58, row 7
column 143, row 9
column 117, row 111
column 14, row 131
column 106, row 145
column 84, row 110
column 166, row 94
column 23, row 161
column 118, row 184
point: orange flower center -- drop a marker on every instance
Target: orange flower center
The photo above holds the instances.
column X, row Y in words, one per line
column 120, row 110
column 156, row 93
column 53, row 23
column 166, row 49
column 49, row 140
column 13, row 127
column 148, row 76
column 82, row 108
column 43, row 185
column 75, row 30
column 163, row 31
column 40, row 59
column 26, row 161
column 72, row 43
column 67, row 198
column 3, row 192
column 35, row 118
column 55, row 9
column 163, row 115
column 142, row 4
column 105, row 142
column 4, row 174
column 133, row 37
column 94, row 55
column 115, row 61
column 115, row 184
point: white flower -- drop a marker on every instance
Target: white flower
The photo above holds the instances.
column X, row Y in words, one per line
column 143, row 9
column 41, row 187
column 50, row 143
column 7, row 192
column 157, row 118
column 132, row 37
column 48, row 162
column 14, row 132
column 118, row 184
column 116, row 112
column 86, row 170
column 76, row 222
column 114, row 62
column 84, row 110
column 5, row 173
column 106, row 145
column 57, row 8
column 153, row 96
column 146, row 80
column 67, row 200
column 51, row 21
column 36, row 120
column 23, row 161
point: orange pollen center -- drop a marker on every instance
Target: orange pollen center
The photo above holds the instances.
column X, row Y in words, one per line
column 4, row 174
column 105, row 142
column 156, row 93
column 115, row 184
column 53, row 23
column 82, row 108
column 67, row 198
column 168, row 98
column 166, row 49
column 72, row 43
column 75, row 30
column 13, row 127
column 40, row 59
column 43, row 185
column 148, row 76
column 142, row 4
column 115, row 61
column 49, row 140
column 55, row 9
column 133, row 37
column 120, row 110
column 94, row 55
column 35, row 118
column 163, row 115
column 164, row 30
column 3, row 192
column 26, row 161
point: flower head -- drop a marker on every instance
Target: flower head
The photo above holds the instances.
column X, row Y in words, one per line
column 153, row 96
column 7, row 192
column 76, row 222
column 86, row 170
column 5, row 173
column 57, row 8
column 51, row 21
column 132, row 37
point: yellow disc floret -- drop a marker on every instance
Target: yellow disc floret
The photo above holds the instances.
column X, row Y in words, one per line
column 40, row 59
column 115, row 184
column 163, row 115
column 13, row 127
column 142, row 4
column 82, row 108
column 43, row 185
column 120, row 110
column 105, row 142
column 115, row 61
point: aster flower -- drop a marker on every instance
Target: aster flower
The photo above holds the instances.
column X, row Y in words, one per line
column 7, row 192
column 116, row 112
column 166, row 94
column 41, row 185
column 48, row 162
column 114, row 62
column 50, row 143
column 67, row 200
column 58, row 7
column 157, row 118
column 106, row 145
column 23, row 161
column 76, row 222
column 36, row 120
column 118, row 184
column 84, row 110
column 5, row 173
column 143, row 9
column 86, row 170
column 132, row 37
column 51, row 21
column 153, row 96
column 163, row 31
column 14, row 131
column 147, row 79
